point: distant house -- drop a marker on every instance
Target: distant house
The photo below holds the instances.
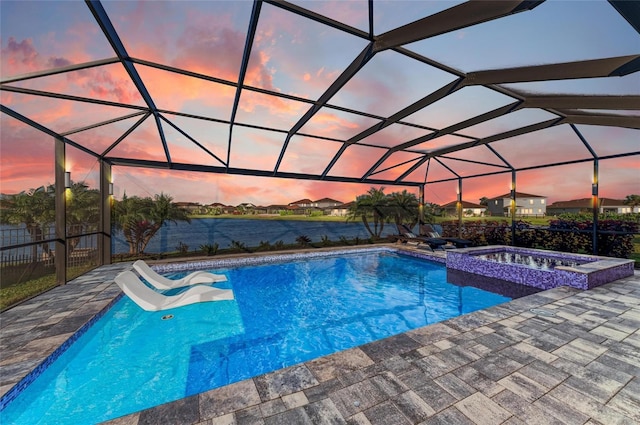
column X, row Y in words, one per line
column 327, row 203
column 302, row 203
column 191, row 207
column 605, row 205
column 222, row 208
column 527, row 205
column 341, row 210
column 307, row 206
column 468, row 208
column 245, row 206
column 320, row 203
column 276, row 209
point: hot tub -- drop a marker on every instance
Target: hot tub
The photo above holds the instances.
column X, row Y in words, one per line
column 539, row 268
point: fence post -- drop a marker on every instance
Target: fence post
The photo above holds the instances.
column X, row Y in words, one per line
column 61, row 213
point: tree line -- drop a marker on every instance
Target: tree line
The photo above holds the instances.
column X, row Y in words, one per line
column 139, row 218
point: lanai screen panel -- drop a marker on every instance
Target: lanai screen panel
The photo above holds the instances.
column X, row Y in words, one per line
column 373, row 81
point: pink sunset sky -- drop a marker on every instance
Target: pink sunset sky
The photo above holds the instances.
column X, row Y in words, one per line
column 302, row 58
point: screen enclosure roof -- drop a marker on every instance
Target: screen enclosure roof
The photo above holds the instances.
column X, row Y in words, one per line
column 393, row 93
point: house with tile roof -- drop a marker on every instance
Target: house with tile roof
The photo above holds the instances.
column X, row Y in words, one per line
column 320, row 203
column 605, row 205
column 341, row 210
column 468, row 208
column 527, row 205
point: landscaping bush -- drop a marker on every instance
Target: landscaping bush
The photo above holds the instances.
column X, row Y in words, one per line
column 566, row 234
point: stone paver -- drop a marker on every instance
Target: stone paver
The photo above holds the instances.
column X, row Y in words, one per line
column 504, row 365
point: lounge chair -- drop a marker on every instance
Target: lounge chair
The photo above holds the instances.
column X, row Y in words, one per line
column 150, row 300
column 407, row 236
column 162, row 282
column 428, row 230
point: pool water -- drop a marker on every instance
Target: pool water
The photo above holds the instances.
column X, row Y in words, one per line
column 282, row 314
column 538, row 262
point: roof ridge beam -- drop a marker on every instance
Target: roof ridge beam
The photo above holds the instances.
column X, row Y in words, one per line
column 460, row 16
column 605, row 120
column 559, row 102
column 501, row 136
column 113, row 38
column 356, row 65
column 409, row 110
column 71, row 97
column 617, row 66
column 498, row 112
column 60, row 70
column 46, row 130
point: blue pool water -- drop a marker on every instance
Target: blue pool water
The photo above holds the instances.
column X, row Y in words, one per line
column 283, row 314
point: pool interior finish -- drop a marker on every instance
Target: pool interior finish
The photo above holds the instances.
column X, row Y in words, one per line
column 275, row 321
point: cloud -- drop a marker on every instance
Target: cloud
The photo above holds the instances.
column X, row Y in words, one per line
column 19, row 57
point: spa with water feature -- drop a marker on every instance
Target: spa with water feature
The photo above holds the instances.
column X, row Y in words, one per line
column 537, row 268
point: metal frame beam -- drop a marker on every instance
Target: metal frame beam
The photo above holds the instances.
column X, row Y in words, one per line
column 609, row 67
column 630, row 10
column 582, row 102
column 457, row 17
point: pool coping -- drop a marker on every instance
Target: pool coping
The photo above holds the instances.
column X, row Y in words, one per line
column 39, row 327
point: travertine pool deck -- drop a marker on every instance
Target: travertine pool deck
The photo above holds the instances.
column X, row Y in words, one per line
column 563, row 356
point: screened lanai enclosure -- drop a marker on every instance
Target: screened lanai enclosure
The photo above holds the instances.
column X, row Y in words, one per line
column 440, row 98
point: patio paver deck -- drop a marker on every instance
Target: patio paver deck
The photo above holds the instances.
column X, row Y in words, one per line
column 574, row 359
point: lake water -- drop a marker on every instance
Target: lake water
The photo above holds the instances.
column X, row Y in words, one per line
column 221, row 231
column 250, row 232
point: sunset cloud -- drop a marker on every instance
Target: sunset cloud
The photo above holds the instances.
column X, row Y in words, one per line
column 293, row 55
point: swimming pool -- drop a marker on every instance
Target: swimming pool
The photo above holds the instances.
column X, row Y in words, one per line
column 283, row 314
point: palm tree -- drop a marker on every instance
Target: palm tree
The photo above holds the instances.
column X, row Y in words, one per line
column 35, row 209
column 372, row 204
column 141, row 218
column 83, row 212
column 404, row 207
column 632, row 200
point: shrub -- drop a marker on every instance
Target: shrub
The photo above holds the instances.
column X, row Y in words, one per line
column 182, row 247
column 325, row 240
column 239, row 246
column 303, row 240
column 209, row 249
column 569, row 234
column 264, row 246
